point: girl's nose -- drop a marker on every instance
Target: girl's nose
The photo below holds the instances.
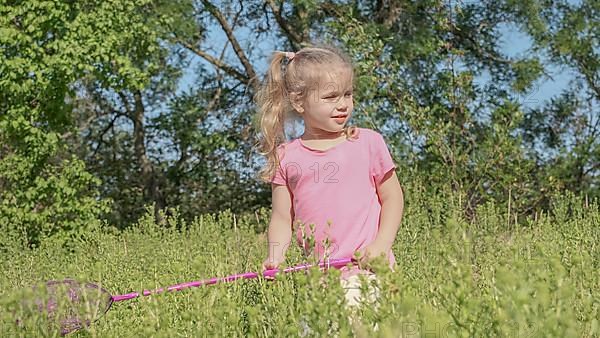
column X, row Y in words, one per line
column 342, row 104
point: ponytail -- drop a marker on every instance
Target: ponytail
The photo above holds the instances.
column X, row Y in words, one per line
column 273, row 105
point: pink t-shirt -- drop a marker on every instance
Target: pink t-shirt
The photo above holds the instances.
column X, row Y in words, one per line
column 335, row 190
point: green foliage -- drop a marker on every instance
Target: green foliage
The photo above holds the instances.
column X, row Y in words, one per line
column 422, row 95
column 58, row 199
column 454, row 277
column 160, row 112
column 563, row 132
column 416, row 84
column 47, row 47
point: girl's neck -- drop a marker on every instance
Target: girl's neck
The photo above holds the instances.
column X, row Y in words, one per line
column 321, row 135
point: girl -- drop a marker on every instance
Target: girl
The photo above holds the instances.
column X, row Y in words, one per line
column 335, row 183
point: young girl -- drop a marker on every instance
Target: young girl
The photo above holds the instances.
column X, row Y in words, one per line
column 335, row 183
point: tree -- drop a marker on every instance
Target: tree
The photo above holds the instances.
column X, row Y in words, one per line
column 564, row 133
column 181, row 140
column 47, row 47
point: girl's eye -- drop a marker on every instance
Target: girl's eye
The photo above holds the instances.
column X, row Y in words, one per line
column 349, row 94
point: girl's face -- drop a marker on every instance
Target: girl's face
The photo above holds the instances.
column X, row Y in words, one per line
column 328, row 105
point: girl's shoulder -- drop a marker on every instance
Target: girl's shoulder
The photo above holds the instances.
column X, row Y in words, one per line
column 286, row 148
column 372, row 138
column 286, row 145
column 366, row 131
column 369, row 134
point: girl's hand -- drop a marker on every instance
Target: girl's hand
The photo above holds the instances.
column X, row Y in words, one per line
column 371, row 252
column 271, row 263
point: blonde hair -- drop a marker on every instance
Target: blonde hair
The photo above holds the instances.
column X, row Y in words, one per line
column 273, row 96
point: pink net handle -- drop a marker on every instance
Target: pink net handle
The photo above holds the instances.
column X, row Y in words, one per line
column 333, row 263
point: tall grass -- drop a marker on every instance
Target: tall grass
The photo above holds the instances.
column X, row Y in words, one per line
column 486, row 277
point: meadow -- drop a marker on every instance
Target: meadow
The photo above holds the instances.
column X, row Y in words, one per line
column 110, row 106
column 487, row 277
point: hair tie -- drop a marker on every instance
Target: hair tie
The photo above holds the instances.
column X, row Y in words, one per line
column 290, row 55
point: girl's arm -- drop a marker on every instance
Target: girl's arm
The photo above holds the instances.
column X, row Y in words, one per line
column 392, row 206
column 279, row 232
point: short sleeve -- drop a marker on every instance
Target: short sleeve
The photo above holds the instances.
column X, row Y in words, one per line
column 280, row 176
column 380, row 159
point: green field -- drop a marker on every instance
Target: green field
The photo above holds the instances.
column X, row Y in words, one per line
column 487, row 277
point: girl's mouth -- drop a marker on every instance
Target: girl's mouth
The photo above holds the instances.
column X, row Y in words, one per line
column 340, row 118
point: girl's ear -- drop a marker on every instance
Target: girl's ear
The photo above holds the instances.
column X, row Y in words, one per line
column 296, row 102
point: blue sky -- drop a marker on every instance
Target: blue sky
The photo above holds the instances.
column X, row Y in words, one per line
column 516, row 44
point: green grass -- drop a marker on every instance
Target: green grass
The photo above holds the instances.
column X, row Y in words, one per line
column 488, row 277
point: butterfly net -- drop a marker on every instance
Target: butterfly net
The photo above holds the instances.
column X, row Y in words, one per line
column 61, row 306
